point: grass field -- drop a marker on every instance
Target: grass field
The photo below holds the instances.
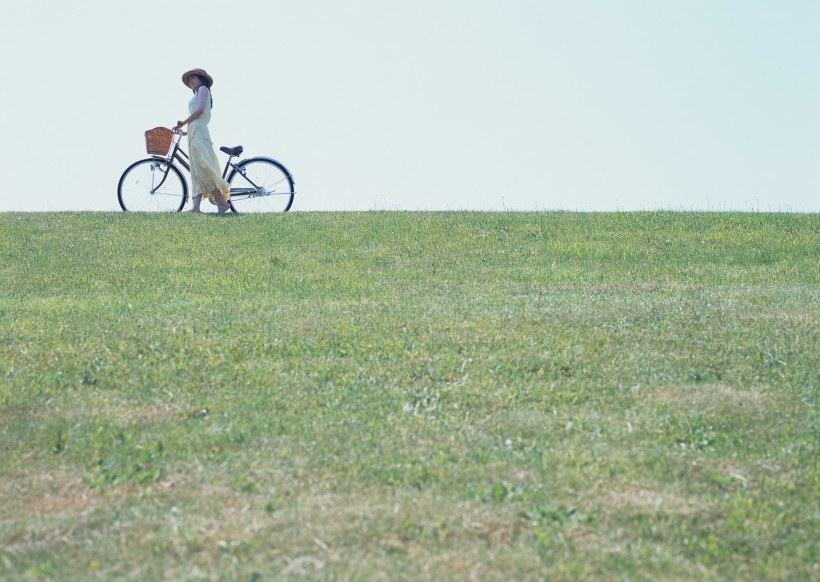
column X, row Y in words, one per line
column 387, row 395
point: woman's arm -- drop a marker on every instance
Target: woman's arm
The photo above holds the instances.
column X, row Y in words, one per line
column 201, row 98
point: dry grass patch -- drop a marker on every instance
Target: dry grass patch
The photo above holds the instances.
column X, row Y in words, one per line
column 106, row 405
column 45, row 507
column 55, row 493
column 645, row 499
column 710, row 397
column 313, row 532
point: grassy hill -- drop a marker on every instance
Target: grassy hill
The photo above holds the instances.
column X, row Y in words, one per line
column 409, row 395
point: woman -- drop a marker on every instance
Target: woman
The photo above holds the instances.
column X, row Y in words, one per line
column 205, row 174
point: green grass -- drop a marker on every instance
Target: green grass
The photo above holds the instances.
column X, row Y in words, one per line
column 410, row 395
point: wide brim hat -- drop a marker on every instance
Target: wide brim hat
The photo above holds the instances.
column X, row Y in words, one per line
column 201, row 72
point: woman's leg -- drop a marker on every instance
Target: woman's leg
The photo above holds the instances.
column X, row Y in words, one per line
column 197, row 200
column 221, row 201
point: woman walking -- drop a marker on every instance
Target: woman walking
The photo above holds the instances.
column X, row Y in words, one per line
column 205, row 174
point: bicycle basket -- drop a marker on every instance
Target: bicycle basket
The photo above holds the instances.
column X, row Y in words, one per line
column 158, row 141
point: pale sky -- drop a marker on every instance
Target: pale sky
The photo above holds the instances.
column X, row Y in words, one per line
column 429, row 104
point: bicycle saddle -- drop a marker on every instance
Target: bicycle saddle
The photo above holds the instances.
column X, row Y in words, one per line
column 237, row 151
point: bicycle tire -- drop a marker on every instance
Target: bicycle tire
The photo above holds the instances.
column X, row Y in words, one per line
column 152, row 185
column 261, row 185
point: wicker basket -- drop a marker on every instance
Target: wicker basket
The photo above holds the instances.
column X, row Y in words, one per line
column 158, row 141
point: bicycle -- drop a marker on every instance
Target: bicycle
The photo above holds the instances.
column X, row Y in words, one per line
column 156, row 184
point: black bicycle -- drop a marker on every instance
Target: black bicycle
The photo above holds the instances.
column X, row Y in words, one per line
column 156, row 184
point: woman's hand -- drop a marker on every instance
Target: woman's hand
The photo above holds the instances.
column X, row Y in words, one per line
column 179, row 128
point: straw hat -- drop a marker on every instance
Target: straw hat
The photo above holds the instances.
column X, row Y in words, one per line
column 201, row 72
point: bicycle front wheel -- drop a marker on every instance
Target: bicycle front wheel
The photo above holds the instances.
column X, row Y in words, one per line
column 261, row 185
column 152, row 185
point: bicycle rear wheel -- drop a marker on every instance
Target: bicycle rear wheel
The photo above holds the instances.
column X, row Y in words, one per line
column 261, row 185
column 152, row 185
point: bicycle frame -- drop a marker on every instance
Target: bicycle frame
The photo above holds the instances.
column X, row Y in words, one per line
column 178, row 154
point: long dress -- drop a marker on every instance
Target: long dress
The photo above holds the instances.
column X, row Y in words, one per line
column 205, row 174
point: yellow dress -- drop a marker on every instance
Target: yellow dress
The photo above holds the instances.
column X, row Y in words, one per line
column 205, row 174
